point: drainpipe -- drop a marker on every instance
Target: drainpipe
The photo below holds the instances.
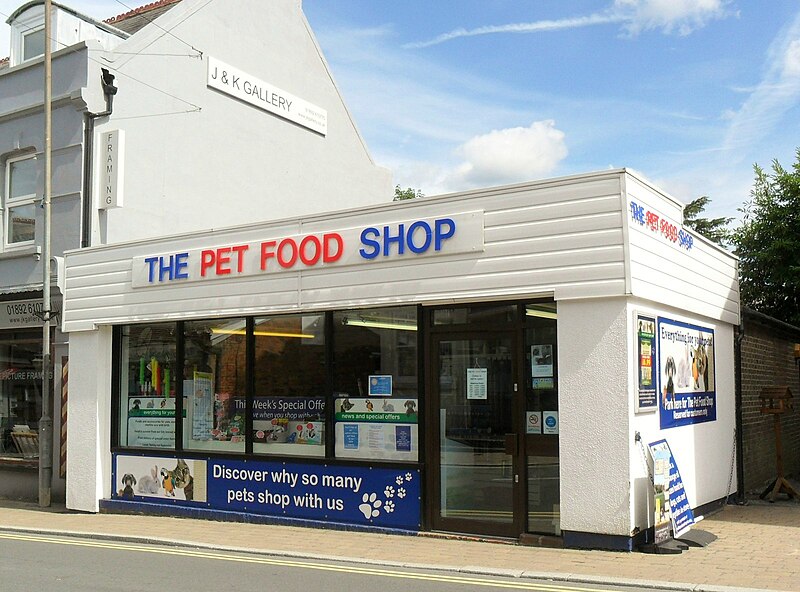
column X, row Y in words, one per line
column 740, row 496
column 109, row 90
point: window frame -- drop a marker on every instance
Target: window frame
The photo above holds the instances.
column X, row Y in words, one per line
column 8, row 203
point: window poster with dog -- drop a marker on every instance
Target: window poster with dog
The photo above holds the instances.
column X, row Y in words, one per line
column 685, row 374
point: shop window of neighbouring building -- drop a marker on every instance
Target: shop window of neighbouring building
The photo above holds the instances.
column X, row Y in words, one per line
column 19, row 208
column 20, row 393
column 376, row 384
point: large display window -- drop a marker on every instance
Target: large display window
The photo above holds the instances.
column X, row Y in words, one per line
column 290, row 385
column 274, row 385
column 376, row 383
column 147, row 386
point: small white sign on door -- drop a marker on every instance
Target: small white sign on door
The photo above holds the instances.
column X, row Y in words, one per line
column 550, row 422
column 477, row 381
column 533, row 422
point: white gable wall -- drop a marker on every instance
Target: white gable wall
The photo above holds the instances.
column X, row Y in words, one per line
column 230, row 162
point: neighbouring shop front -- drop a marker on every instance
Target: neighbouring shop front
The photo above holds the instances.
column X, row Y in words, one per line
column 470, row 363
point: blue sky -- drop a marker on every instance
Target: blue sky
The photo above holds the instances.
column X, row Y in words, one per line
column 452, row 95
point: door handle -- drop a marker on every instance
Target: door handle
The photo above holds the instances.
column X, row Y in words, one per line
column 511, row 444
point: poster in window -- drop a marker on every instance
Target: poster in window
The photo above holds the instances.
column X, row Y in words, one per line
column 477, row 383
column 646, row 399
column 202, row 391
column 542, row 360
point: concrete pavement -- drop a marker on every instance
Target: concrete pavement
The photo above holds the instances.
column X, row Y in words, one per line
column 758, row 547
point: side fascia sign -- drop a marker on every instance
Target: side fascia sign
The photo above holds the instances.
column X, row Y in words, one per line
column 263, row 95
column 426, row 237
column 661, row 226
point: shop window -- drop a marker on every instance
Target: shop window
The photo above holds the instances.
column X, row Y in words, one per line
column 19, row 210
column 20, row 394
column 504, row 314
column 376, row 384
column 148, row 386
column 214, row 385
column 290, row 385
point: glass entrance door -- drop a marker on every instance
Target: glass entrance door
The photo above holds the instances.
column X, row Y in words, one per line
column 477, row 488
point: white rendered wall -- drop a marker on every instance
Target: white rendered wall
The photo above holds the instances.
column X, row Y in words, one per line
column 197, row 158
column 702, row 451
column 593, row 406
column 88, row 420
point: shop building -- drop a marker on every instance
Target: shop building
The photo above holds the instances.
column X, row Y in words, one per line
column 491, row 362
column 165, row 119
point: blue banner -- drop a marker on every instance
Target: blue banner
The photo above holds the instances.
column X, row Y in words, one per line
column 379, row 497
column 687, row 392
column 669, row 485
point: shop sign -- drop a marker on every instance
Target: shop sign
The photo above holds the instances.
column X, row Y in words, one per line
column 685, row 374
column 111, row 176
column 263, row 95
column 446, row 235
column 661, row 226
column 18, row 314
column 366, row 496
column 671, row 504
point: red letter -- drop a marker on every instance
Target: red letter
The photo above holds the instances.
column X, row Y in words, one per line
column 327, row 256
column 223, row 257
column 206, row 261
column 240, row 260
column 317, row 248
column 266, row 254
column 293, row 247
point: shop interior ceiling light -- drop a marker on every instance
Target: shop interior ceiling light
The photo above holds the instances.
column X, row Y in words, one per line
column 378, row 324
column 218, row 331
column 540, row 312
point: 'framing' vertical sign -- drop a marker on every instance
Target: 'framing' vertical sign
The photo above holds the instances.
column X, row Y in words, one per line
column 112, row 158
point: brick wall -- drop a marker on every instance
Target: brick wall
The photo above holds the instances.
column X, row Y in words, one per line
column 768, row 360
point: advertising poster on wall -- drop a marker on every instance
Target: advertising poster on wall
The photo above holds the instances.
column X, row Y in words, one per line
column 380, row 385
column 685, row 374
column 646, row 399
column 289, row 420
column 159, row 478
column 385, row 429
column 671, row 503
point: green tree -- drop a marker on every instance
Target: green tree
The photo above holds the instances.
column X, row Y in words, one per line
column 715, row 229
column 407, row 193
column 768, row 243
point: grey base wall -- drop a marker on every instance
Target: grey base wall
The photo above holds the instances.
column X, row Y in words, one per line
column 23, row 484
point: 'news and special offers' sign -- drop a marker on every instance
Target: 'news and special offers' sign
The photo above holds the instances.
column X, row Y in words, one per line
column 265, row 96
column 445, row 235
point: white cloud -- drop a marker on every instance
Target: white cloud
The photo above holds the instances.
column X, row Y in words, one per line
column 510, row 155
column 670, row 16
column 791, row 62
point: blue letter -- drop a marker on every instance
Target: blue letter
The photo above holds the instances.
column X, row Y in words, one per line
column 152, row 262
column 399, row 239
column 368, row 242
column 440, row 235
column 162, row 269
column 181, row 264
column 410, row 237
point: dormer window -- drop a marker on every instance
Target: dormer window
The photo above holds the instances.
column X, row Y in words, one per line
column 33, row 44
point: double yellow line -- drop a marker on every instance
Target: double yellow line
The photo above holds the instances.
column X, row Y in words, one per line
column 296, row 563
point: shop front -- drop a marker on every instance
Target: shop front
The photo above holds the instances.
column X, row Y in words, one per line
column 460, row 364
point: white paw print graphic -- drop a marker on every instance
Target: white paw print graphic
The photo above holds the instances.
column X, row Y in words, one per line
column 399, row 480
column 370, row 506
column 401, row 493
column 389, row 507
column 408, row 476
column 389, row 491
